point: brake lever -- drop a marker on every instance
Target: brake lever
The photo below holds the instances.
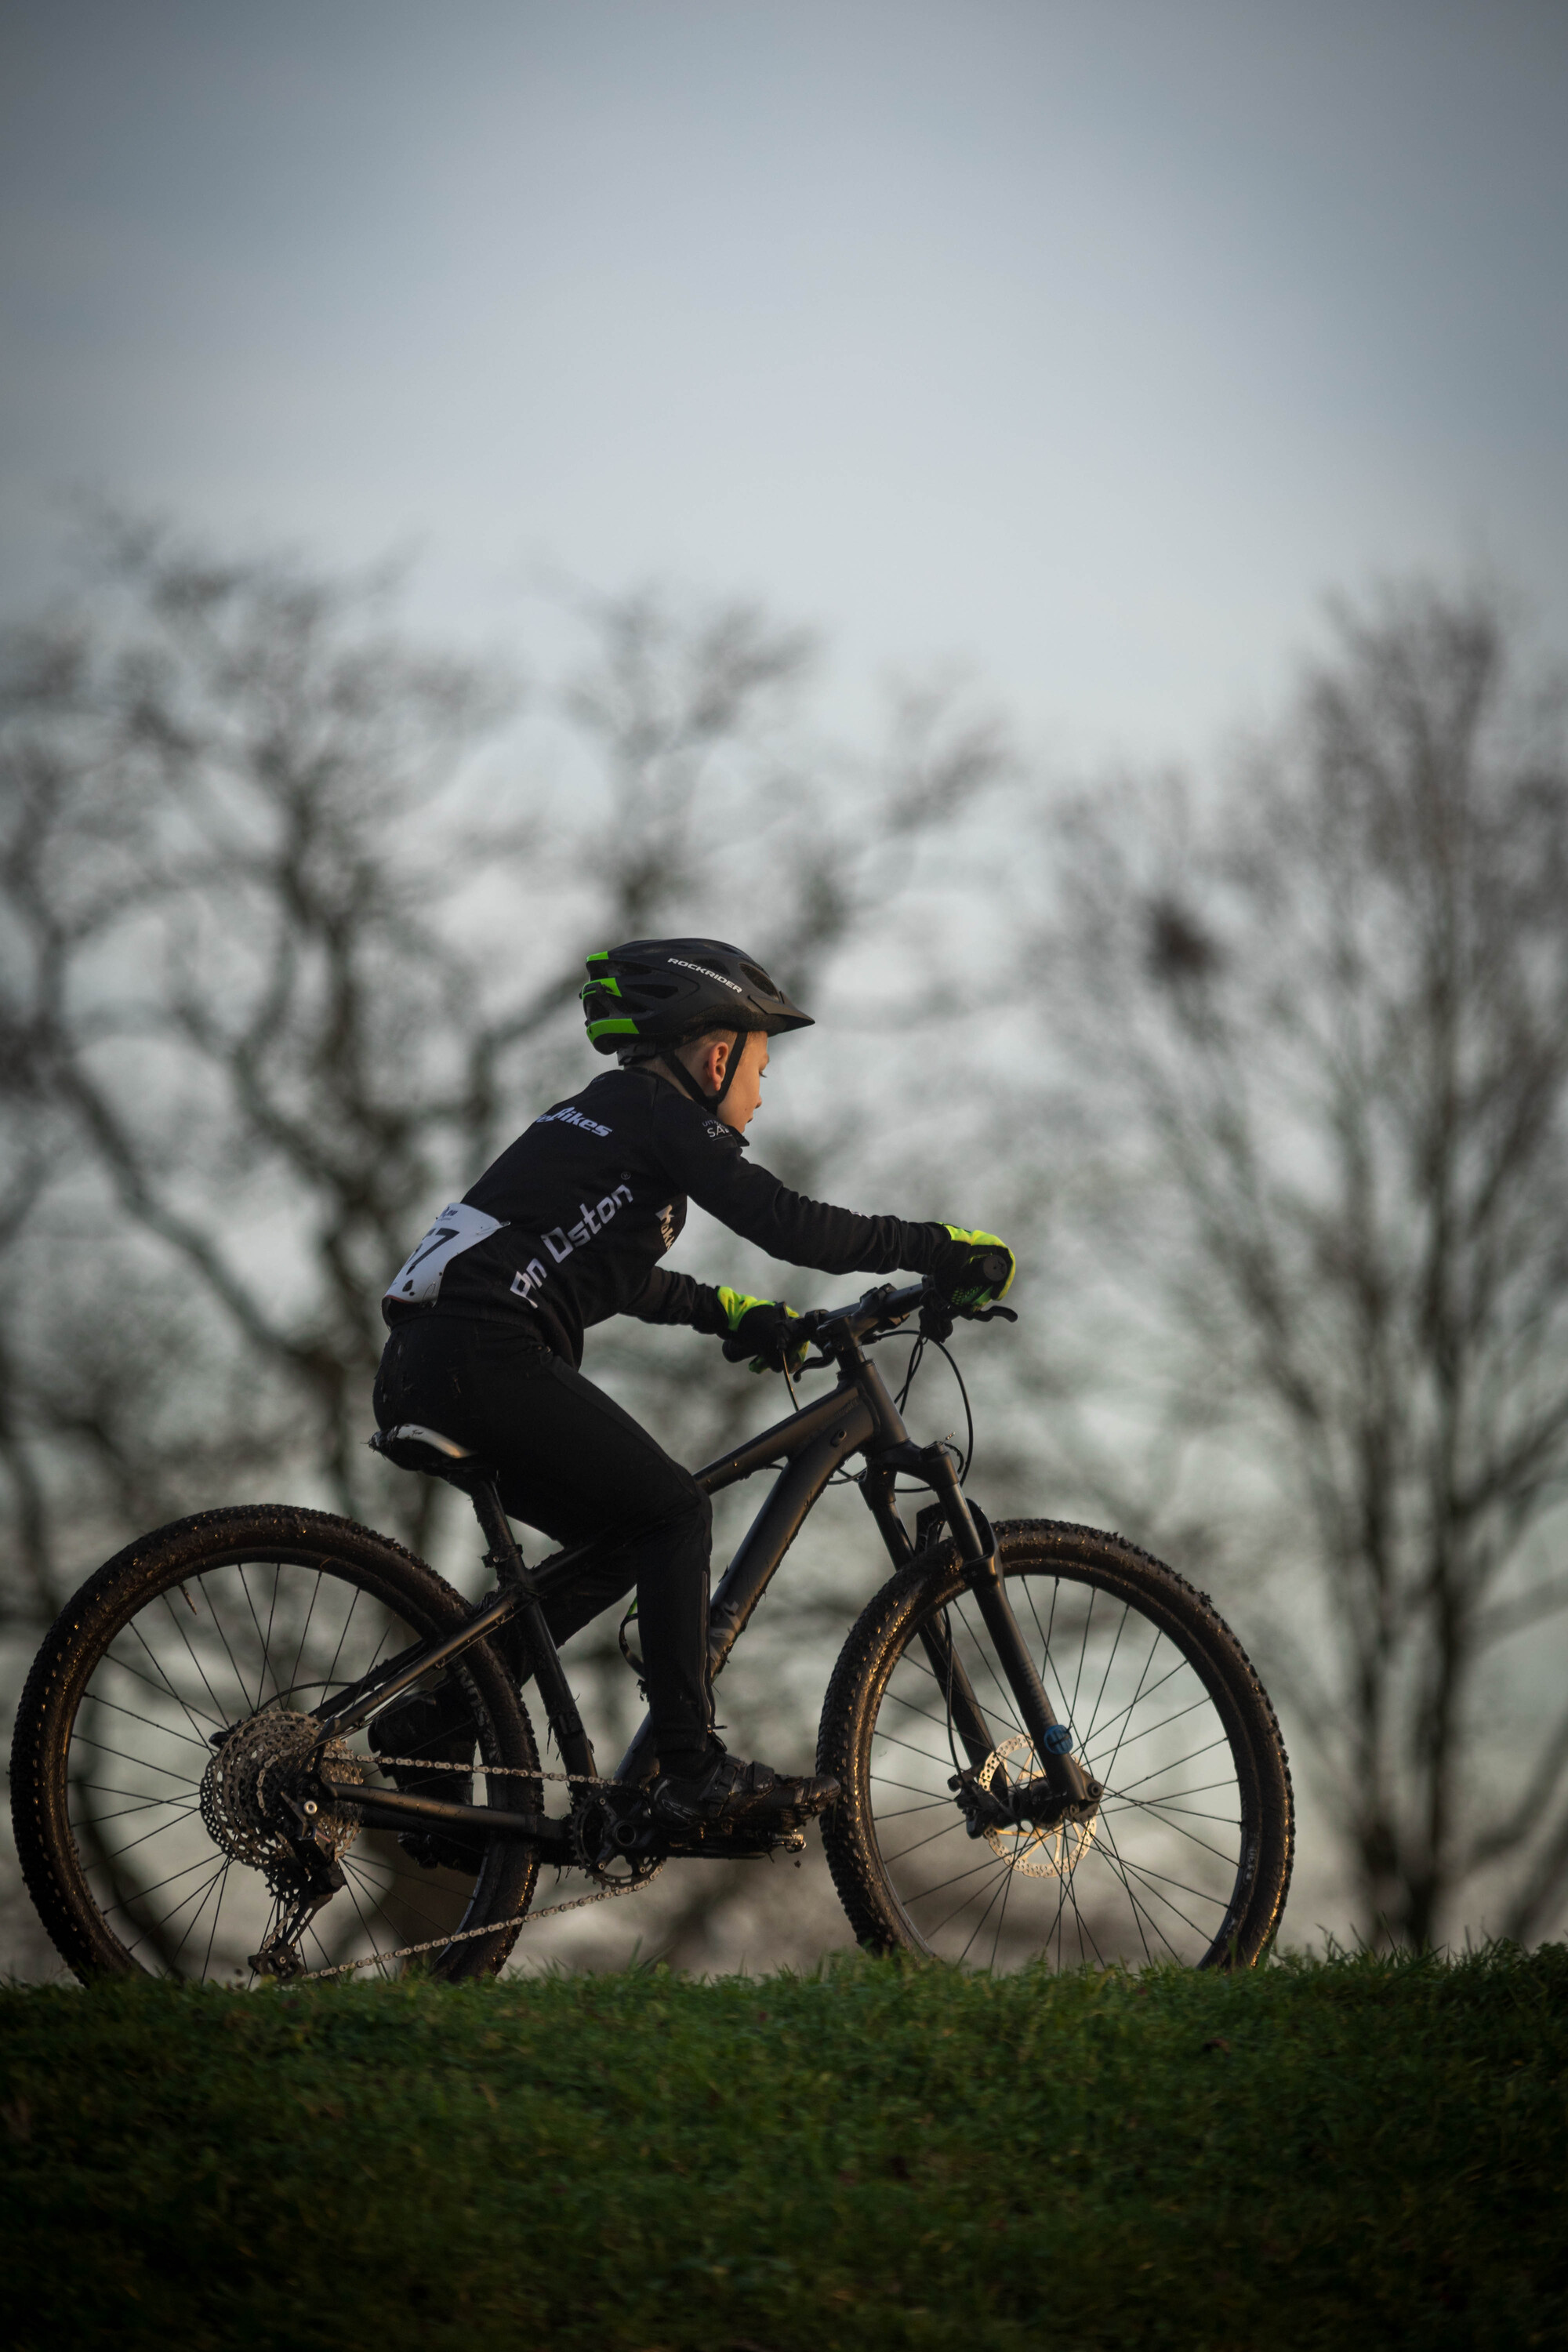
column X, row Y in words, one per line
column 939, row 1315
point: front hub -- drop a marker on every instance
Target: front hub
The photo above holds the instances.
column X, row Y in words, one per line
column 1027, row 1821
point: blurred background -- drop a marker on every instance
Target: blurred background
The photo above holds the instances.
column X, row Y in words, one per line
column 1047, row 525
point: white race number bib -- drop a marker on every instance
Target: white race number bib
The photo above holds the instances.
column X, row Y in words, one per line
column 418, row 1280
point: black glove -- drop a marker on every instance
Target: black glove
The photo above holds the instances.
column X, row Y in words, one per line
column 936, row 1320
column 760, row 1329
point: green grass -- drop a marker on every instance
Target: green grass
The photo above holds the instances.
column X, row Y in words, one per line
column 1365, row 2152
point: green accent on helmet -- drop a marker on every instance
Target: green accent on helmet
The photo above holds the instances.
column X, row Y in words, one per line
column 737, row 1303
column 597, row 1029
column 680, row 989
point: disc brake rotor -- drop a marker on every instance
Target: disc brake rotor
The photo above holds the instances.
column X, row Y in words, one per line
column 1048, row 1852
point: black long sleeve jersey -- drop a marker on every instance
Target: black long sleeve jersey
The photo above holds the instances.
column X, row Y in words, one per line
column 567, row 1227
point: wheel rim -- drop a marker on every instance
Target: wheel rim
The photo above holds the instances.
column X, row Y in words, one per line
column 244, row 1637
column 1159, row 1876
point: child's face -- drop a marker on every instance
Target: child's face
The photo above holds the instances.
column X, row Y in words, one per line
column 744, row 1093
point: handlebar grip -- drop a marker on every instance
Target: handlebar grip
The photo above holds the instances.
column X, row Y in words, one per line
column 994, row 1267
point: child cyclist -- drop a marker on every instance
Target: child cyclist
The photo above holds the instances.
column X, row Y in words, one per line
column 568, row 1227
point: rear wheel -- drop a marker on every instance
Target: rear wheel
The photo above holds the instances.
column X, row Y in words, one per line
column 211, row 1640
column 1186, row 1858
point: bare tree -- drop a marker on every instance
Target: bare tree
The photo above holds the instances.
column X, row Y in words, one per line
column 294, row 915
column 1316, row 1022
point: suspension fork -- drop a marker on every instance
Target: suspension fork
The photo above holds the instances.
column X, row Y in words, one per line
column 1051, row 1740
column 965, row 1710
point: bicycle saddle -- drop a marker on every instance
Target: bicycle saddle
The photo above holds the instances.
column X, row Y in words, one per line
column 413, row 1447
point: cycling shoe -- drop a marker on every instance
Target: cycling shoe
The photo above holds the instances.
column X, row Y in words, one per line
column 724, row 1795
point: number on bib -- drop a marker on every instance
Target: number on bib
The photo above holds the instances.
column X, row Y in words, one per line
column 418, row 1281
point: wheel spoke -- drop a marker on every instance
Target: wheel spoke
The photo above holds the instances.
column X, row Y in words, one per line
column 114, row 1707
column 1205, row 1844
column 165, row 1868
column 1152, row 1874
column 114, row 1852
column 183, row 1633
column 164, row 1684
column 1192, row 1756
column 84, row 1739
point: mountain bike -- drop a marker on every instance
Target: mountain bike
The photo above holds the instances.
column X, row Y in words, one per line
column 267, row 1742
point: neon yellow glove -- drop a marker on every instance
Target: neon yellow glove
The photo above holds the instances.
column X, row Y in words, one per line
column 759, row 1328
column 974, row 1269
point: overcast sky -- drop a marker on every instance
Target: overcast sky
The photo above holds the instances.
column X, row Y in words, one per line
column 1092, row 343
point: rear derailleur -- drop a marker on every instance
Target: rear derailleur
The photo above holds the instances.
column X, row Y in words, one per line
column 303, row 1884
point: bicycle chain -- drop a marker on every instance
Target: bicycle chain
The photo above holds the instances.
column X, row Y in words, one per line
column 490, row 1771
column 495, row 1926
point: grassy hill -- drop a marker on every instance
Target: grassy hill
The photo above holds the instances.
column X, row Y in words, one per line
column 1365, row 2152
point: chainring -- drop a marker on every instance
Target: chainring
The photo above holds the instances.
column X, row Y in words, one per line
column 591, row 1817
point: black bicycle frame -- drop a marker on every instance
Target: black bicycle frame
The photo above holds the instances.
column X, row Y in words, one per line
column 857, row 1416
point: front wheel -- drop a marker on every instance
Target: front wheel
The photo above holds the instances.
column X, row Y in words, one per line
column 1186, row 1856
column 180, row 1678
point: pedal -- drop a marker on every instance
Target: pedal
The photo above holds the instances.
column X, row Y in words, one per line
column 739, row 1844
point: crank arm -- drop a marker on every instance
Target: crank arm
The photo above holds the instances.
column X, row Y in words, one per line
column 716, row 1850
column 390, row 1808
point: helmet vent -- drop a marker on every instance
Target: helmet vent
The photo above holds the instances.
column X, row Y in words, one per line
column 759, row 978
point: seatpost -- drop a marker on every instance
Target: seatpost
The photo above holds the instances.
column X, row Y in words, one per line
column 503, row 1555
column 512, row 1573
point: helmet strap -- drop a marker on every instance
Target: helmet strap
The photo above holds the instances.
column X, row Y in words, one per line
column 669, row 1059
column 732, row 1064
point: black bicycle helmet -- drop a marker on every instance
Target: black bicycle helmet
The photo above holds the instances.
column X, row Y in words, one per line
column 653, row 993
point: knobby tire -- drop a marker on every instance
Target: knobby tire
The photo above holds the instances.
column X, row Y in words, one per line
column 1189, row 1861
column 112, row 1734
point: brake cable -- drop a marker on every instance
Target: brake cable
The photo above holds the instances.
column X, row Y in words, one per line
column 916, row 1354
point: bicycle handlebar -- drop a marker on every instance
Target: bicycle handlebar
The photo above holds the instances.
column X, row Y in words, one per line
column 883, row 1309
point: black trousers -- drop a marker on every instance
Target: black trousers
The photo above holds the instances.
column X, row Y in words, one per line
column 572, row 1463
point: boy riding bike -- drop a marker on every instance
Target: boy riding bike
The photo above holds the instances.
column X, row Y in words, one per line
column 567, row 1228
